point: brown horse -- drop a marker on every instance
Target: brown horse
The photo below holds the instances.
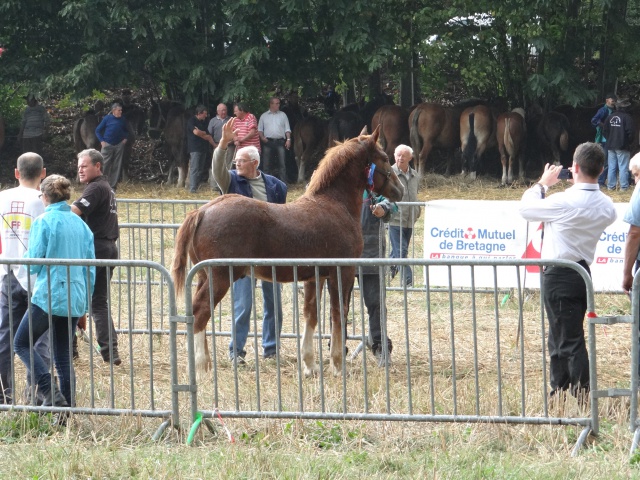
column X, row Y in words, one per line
column 84, row 132
column 511, row 134
column 394, row 128
column 477, row 133
column 305, row 228
column 309, row 143
column 169, row 118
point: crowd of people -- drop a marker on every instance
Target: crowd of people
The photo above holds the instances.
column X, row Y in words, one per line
column 41, row 307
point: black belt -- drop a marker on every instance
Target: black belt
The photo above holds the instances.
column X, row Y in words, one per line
column 276, row 139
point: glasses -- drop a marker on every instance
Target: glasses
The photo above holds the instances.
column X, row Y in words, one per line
column 242, row 160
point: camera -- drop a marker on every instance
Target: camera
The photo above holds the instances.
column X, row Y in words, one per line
column 565, row 174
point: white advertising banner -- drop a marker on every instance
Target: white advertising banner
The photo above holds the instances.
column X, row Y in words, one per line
column 470, row 230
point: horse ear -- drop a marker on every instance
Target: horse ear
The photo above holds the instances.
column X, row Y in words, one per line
column 364, row 131
column 375, row 134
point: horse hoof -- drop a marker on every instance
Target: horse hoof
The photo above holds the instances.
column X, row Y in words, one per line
column 311, row 372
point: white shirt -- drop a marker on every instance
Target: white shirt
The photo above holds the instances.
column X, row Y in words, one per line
column 19, row 207
column 573, row 220
column 274, row 124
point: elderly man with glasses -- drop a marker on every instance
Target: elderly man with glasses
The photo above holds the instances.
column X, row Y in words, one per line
column 249, row 181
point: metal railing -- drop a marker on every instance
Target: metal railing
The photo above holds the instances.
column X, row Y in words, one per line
column 442, row 369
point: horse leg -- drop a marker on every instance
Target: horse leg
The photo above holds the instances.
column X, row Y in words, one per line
column 520, row 166
column 301, row 163
column 510, row 173
column 182, row 175
column 503, row 160
column 202, row 313
column 424, row 155
column 311, row 321
column 339, row 310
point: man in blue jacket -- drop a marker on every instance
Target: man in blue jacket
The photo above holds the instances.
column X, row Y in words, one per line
column 247, row 180
column 598, row 123
column 112, row 132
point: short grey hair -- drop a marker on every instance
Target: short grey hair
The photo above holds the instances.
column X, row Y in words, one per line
column 635, row 161
column 402, row 148
column 115, row 105
column 251, row 151
column 30, row 166
column 94, row 155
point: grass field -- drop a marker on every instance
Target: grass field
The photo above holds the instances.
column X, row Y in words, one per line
column 120, row 447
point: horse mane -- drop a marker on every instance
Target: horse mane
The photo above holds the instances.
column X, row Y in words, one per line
column 334, row 162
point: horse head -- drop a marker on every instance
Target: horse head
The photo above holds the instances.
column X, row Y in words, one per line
column 381, row 177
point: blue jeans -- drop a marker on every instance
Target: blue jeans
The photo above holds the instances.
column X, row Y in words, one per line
column 198, row 168
column 242, row 302
column 602, row 179
column 12, row 290
column 400, row 238
column 61, row 342
column 618, row 160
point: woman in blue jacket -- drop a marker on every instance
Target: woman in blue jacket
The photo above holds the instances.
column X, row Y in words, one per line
column 60, row 294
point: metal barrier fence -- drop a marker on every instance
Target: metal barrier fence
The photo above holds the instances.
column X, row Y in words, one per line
column 459, row 356
column 141, row 386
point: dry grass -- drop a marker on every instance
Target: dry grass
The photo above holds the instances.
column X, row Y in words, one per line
column 299, row 449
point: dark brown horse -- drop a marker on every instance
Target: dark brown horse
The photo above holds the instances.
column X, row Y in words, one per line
column 170, row 119
column 344, row 125
column 511, row 134
column 309, row 144
column 553, row 137
column 84, row 132
column 394, row 128
column 301, row 229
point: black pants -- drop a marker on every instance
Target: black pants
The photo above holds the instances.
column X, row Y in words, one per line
column 370, row 290
column 565, row 301
column 107, row 250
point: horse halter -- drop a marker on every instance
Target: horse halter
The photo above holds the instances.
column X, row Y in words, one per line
column 371, row 170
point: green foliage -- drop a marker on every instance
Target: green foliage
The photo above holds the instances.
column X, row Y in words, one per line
column 205, row 51
column 12, row 105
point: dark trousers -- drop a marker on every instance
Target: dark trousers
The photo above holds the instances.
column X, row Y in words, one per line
column 33, row 144
column 113, row 156
column 105, row 331
column 8, row 327
column 62, row 329
column 565, row 301
column 273, row 158
column 198, row 170
column 370, row 290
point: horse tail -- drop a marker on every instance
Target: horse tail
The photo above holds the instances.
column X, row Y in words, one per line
column 184, row 241
column 381, row 138
column 414, row 133
column 77, row 135
column 472, row 141
column 564, row 140
column 508, row 141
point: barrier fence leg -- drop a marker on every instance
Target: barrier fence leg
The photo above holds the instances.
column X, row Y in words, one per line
column 581, row 439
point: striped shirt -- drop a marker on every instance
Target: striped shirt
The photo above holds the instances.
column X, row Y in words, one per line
column 243, row 127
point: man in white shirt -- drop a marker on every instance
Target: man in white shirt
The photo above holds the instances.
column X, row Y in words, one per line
column 275, row 135
column 19, row 206
column 573, row 222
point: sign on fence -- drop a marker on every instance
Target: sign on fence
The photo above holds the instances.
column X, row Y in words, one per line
column 470, row 230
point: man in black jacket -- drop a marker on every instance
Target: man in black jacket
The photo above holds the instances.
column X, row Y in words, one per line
column 618, row 130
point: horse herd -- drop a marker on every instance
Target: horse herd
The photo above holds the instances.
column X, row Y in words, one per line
column 465, row 133
column 469, row 135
